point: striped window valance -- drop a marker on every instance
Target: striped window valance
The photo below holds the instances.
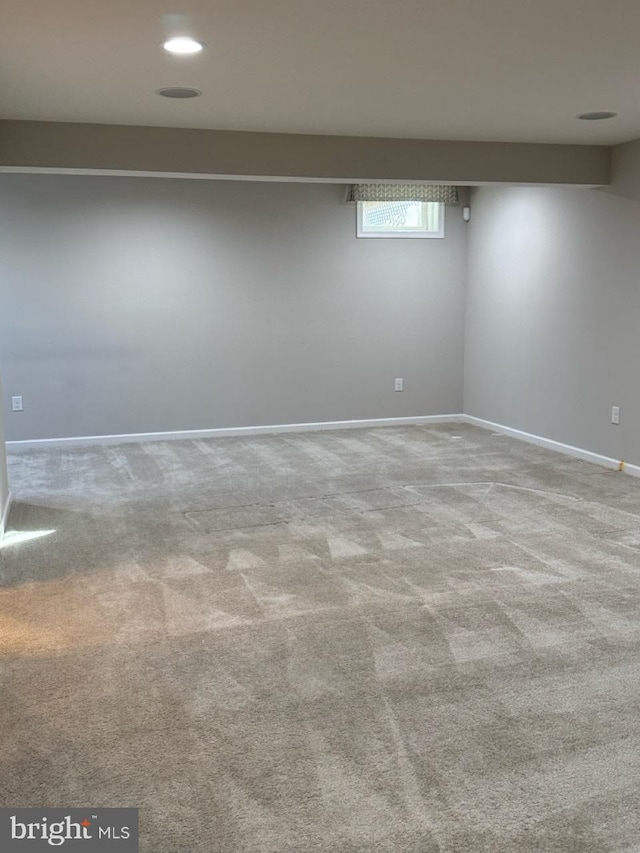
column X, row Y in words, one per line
column 442, row 193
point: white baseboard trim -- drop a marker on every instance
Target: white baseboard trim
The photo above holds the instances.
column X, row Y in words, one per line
column 5, row 516
column 231, row 431
column 540, row 441
column 558, row 446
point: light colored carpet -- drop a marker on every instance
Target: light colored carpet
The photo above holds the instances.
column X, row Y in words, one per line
column 401, row 640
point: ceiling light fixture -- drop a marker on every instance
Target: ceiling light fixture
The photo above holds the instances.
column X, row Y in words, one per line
column 600, row 115
column 183, row 46
column 178, row 92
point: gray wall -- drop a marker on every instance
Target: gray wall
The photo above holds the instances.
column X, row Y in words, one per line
column 553, row 315
column 4, row 484
column 146, row 304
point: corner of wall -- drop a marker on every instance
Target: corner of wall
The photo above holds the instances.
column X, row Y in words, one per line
column 471, row 195
column 625, row 170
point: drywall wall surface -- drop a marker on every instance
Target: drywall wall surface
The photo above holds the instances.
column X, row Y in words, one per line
column 170, row 150
column 553, row 315
column 4, row 482
column 142, row 304
column 625, row 170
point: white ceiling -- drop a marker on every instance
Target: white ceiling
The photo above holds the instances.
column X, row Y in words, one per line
column 503, row 70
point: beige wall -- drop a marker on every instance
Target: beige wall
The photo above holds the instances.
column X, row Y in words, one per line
column 58, row 145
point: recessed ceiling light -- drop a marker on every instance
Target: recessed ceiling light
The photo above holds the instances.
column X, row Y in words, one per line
column 183, row 46
column 597, row 116
column 178, row 92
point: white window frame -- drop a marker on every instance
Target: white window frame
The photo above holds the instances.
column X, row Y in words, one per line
column 399, row 235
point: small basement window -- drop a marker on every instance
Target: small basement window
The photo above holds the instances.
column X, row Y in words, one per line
column 400, row 219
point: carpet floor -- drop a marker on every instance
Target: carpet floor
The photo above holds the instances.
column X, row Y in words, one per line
column 393, row 640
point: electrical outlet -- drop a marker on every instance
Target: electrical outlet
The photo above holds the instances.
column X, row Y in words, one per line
column 399, row 386
column 16, row 404
column 615, row 414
